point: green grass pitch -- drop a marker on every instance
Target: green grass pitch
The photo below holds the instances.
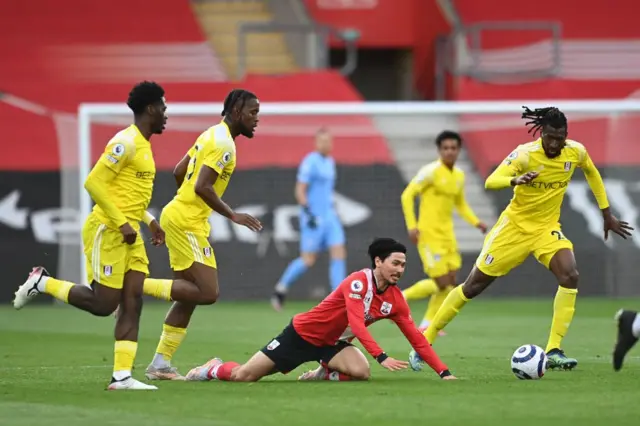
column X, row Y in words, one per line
column 56, row 362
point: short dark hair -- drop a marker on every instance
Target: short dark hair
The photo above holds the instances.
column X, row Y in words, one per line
column 448, row 134
column 233, row 97
column 539, row 117
column 144, row 94
column 383, row 247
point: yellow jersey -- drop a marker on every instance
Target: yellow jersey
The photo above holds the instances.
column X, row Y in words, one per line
column 440, row 189
column 216, row 149
column 536, row 205
column 128, row 154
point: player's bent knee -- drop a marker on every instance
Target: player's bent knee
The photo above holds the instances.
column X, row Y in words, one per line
column 209, row 297
column 569, row 279
column 103, row 309
column 471, row 289
column 338, row 252
column 309, row 259
column 360, row 372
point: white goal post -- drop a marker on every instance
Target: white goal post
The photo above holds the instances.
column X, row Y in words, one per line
column 89, row 113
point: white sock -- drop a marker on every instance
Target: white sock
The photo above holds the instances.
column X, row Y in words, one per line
column 42, row 283
column 214, row 372
column 635, row 327
column 160, row 362
column 281, row 288
column 424, row 323
column 121, row 375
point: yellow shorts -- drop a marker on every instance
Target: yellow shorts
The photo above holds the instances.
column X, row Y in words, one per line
column 108, row 257
column 186, row 247
column 506, row 247
column 439, row 260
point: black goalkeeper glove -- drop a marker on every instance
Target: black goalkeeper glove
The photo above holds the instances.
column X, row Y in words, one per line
column 312, row 223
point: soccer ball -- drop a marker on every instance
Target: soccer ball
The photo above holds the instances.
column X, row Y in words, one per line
column 529, row 362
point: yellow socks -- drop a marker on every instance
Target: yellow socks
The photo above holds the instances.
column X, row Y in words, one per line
column 435, row 302
column 56, row 288
column 170, row 340
column 564, row 306
column 123, row 356
column 449, row 309
column 160, row 289
column 421, row 290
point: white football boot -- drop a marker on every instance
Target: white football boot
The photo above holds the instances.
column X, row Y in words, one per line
column 29, row 290
column 129, row 383
column 204, row 371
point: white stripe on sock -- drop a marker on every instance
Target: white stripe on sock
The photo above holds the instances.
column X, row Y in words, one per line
column 635, row 327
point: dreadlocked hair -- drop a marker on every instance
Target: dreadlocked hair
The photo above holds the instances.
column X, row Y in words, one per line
column 539, row 117
column 234, row 96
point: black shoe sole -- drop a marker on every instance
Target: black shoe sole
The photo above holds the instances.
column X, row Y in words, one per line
column 626, row 340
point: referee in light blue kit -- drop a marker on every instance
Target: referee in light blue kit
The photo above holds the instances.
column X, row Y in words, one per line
column 320, row 227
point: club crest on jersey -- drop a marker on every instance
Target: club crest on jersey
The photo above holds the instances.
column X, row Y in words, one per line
column 274, row 344
column 385, row 309
column 567, row 166
column 356, row 286
column 207, row 251
column 118, row 149
column 108, row 270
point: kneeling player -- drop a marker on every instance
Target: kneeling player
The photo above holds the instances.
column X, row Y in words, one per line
column 322, row 333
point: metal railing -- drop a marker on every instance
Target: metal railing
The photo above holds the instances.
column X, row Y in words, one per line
column 461, row 53
column 316, row 44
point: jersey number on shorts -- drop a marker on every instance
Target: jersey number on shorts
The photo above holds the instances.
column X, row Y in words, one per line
column 192, row 163
column 558, row 234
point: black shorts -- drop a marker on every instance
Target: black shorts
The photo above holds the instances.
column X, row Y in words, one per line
column 288, row 350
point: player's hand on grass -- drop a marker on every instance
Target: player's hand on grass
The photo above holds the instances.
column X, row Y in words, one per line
column 394, row 364
column 247, row 220
column 128, row 233
column 482, row 227
column 611, row 223
column 157, row 233
column 524, row 179
column 414, row 234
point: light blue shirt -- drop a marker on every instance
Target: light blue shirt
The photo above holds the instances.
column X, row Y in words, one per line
column 319, row 173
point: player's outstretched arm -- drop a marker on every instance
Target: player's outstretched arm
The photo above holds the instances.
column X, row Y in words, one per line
column 157, row 233
column 466, row 212
column 420, row 344
column 354, row 292
column 611, row 223
column 594, row 180
column 180, row 171
column 97, row 185
column 204, row 189
column 419, row 183
column 509, row 172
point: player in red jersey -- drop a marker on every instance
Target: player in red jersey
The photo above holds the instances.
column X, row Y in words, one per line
column 323, row 333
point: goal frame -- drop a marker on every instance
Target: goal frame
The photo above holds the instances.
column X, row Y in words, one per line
column 86, row 112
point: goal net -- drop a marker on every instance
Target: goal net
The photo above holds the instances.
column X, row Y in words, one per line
column 379, row 147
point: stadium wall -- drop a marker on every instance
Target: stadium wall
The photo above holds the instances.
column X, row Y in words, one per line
column 32, row 224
